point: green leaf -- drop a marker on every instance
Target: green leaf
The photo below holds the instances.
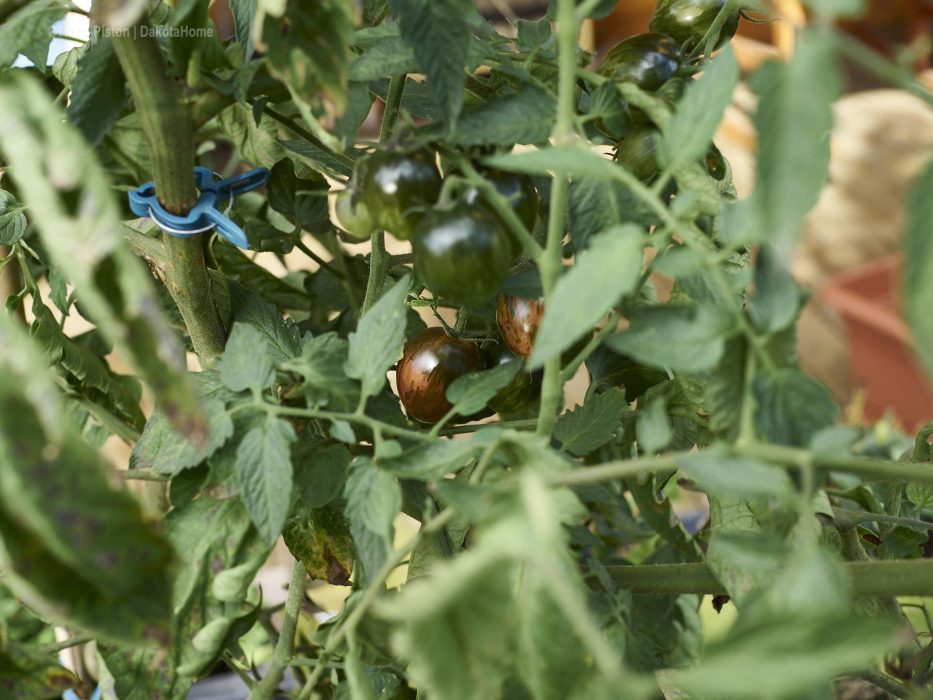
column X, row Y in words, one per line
column 721, row 475
column 320, row 473
column 303, row 201
column 244, row 12
column 161, row 448
column 592, row 424
column 106, row 570
column 471, row 392
column 754, row 661
column 374, row 498
column 524, row 116
column 281, row 338
column 377, row 343
column 569, row 161
column 794, row 120
column 723, row 389
column 776, row 301
column 384, row 59
column 792, row 407
column 26, row 32
column 676, row 337
column 438, row 31
column 72, row 205
column 597, row 205
column 264, row 474
column 318, row 158
column 312, row 58
column 653, row 429
column 257, row 143
column 98, row 91
column 606, row 271
column 12, row 219
column 28, row 674
column 689, row 132
column 238, row 266
column 246, row 364
column 321, row 366
column 918, row 267
column 431, row 461
column 320, row 538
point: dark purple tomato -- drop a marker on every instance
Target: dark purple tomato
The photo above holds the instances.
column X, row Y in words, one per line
column 431, row 362
column 518, row 320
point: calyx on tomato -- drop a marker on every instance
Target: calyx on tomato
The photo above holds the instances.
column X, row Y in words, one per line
column 432, row 360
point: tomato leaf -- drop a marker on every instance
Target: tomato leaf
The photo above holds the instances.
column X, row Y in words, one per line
column 377, row 343
column 471, row 392
column 792, row 407
column 263, row 470
column 246, row 364
column 98, row 91
column 605, row 272
column 12, row 219
column 374, row 498
column 918, row 267
column 592, row 424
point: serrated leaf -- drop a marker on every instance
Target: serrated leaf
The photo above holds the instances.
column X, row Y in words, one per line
column 313, row 155
column 524, row 116
column 722, row 475
column 386, row 58
column 26, row 32
column 596, row 205
column 603, row 273
column 12, row 219
column 653, row 429
column 263, row 470
column 592, row 424
column 321, row 366
column 162, row 449
column 438, row 31
column 571, row 161
column 281, row 338
column 792, row 407
column 246, row 364
column 776, row 301
column 689, row 132
column 676, row 337
column 320, row 473
column 373, row 500
column 29, row 674
column 243, row 13
column 72, row 206
column 432, row 461
column 97, row 91
column 794, row 120
column 918, row 267
column 471, row 392
column 377, row 343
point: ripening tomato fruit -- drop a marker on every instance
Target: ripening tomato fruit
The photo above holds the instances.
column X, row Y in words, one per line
column 638, row 152
column 518, row 320
column 432, row 360
column 687, row 21
column 462, row 254
column 397, row 188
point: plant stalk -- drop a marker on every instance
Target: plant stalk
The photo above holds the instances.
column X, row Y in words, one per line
column 284, row 648
column 167, row 126
column 550, row 262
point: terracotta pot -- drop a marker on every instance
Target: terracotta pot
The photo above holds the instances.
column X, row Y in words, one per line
column 881, row 357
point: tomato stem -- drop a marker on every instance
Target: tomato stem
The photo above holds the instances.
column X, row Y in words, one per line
column 167, row 126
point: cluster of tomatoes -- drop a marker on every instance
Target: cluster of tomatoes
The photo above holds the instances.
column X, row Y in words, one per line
column 463, row 252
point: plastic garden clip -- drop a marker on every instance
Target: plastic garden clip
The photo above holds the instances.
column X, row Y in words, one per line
column 205, row 215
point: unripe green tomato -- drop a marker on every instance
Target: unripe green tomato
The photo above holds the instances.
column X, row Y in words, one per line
column 687, row 21
column 715, row 163
column 638, row 153
column 521, row 395
column 519, row 190
column 462, row 254
column 397, row 188
column 353, row 215
column 432, row 360
column 648, row 60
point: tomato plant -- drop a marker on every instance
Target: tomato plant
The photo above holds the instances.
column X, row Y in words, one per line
column 441, row 364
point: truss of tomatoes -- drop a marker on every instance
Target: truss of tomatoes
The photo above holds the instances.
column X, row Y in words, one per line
column 464, row 250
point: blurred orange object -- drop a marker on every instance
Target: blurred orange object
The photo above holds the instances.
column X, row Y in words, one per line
column 881, row 358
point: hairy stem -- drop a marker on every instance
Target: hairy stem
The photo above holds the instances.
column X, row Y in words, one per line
column 167, row 126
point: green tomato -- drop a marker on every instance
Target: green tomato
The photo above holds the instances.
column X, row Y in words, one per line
column 519, row 190
column 648, row 60
column 353, row 215
column 687, row 21
column 397, row 188
column 462, row 254
column 638, row 153
column 523, row 394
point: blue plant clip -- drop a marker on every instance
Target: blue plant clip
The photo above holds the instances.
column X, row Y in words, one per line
column 205, row 215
